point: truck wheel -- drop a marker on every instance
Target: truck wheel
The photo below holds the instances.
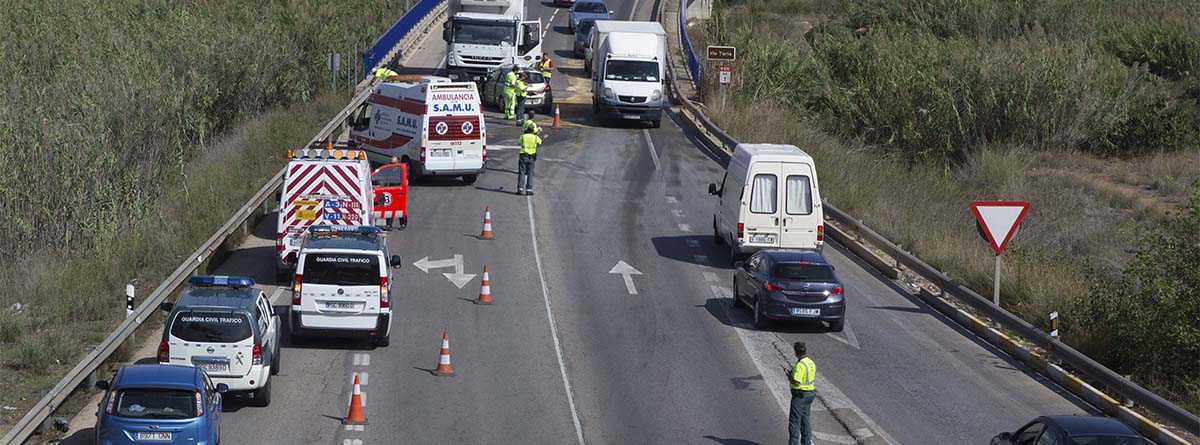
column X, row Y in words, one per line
column 275, row 360
column 469, row 179
column 262, row 396
column 655, row 123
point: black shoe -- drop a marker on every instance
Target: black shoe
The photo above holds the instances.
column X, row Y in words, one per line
column 529, row 192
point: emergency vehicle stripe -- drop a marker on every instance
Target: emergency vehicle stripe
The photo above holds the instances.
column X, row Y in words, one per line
column 393, row 141
column 343, row 176
column 405, row 105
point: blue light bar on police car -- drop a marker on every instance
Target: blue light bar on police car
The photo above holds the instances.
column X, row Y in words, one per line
column 220, row 280
column 344, row 228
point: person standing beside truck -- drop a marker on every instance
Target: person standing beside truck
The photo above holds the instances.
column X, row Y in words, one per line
column 546, row 66
column 529, row 142
column 520, row 96
column 383, row 73
column 510, row 92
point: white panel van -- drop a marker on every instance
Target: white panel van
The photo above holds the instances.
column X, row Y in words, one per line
column 769, row 199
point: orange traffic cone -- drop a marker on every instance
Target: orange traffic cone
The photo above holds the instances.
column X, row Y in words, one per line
column 487, row 225
column 355, row 417
column 443, row 367
column 485, row 290
column 557, row 122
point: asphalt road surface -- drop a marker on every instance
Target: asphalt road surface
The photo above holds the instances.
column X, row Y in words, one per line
column 571, row 353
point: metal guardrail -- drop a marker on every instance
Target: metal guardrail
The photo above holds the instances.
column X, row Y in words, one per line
column 1077, row 360
column 199, row 260
column 390, row 38
column 693, row 62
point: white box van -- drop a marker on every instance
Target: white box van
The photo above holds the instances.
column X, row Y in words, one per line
column 769, row 199
column 628, row 70
column 434, row 125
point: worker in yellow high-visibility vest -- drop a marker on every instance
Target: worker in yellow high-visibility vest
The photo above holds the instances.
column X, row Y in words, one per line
column 529, row 143
column 802, row 381
column 382, row 73
column 546, row 66
column 510, row 93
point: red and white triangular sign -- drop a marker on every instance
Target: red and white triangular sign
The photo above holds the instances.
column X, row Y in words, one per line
column 999, row 220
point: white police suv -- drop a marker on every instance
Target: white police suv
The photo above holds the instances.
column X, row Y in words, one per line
column 227, row 327
column 343, row 284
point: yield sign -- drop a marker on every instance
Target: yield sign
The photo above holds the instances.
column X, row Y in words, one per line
column 999, row 220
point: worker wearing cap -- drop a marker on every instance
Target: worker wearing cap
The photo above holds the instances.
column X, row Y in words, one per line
column 510, row 92
column 384, row 73
column 546, row 66
column 520, row 96
column 802, row 380
column 529, row 142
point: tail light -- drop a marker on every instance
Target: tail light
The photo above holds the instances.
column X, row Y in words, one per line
column 112, row 400
column 199, row 404
column 770, row 287
column 256, row 357
column 741, row 231
column 296, row 290
column 279, row 247
column 422, row 154
column 383, row 293
column 820, row 233
column 485, row 153
column 836, row 291
column 164, row 353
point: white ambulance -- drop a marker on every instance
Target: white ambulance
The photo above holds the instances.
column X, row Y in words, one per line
column 320, row 186
column 432, row 124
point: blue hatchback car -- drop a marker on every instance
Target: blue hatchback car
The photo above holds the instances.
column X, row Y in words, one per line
column 159, row 403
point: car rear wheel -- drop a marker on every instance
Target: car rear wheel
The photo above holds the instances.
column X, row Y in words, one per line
column 760, row 320
column 655, row 123
column 469, row 179
column 262, row 396
column 837, row 325
column 275, row 360
column 383, row 341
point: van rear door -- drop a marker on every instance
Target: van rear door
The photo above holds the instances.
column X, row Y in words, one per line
column 761, row 211
column 800, row 214
column 219, row 342
column 342, row 286
column 456, row 131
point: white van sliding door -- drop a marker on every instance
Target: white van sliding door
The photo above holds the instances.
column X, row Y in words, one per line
column 800, row 218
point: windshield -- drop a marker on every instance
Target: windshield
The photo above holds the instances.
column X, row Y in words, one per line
column 211, row 327
column 156, row 403
column 534, row 77
column 341, row 269
column 1106, row 440
column 584, row 28
column 804, row 272
column 484, row 33
column 597, row 8
column 632, row 71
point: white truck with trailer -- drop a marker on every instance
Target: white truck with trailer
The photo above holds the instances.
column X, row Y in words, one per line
column 628, row 70
column 484, row 34
column 433, row 125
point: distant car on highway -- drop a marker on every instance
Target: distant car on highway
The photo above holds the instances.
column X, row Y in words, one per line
column 789, row 285
column 563, row 2
column 588, row 10
column 1072, row 430
column 159, row 404
column 583, row 38
column 227, row 327
column 537, row 90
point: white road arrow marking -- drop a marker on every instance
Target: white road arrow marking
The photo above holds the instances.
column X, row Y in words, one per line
column 627, row 272
column 458, row 278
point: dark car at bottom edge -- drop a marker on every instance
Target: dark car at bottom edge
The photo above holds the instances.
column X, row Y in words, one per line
column 1072, row 430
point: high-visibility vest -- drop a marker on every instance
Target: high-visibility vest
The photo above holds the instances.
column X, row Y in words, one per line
column 520, row 88
column 529, row 143
column 510, row 82
column 530, row 124
column 804, row 375
column 384, row 73
column 547, row 67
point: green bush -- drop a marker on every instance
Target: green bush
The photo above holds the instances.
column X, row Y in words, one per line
column 1169, row 52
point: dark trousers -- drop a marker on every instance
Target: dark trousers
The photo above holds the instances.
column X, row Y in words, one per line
column 520, row 110
column 525, row 172
column 799, row 419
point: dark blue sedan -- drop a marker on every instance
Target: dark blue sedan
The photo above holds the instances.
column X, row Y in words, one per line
column 790, row 285
column 1072, row 430
column 159, row 403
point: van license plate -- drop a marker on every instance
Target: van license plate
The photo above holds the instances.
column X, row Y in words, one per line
column 444, row 153
column 154, row 435
column 214, row 367
column 762, row 238
column 339, row 305
column 802, row 311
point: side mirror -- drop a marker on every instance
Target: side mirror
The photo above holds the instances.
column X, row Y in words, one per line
column 739, row 264
column 103, row 385
column 166, row 306
column 712, row 189
column 446, row 34
column 222, row 388
column 278, row 196
column 396, row 262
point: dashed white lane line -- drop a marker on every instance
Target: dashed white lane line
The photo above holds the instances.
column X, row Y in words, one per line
column 685, row 228
column 546, row 27
column 700, row 259
column 355, row 428
column 562, row 366
column 362, row 377
column 350, row 441
column 677, row 212
column 711, row 277
column 650, row 145
column 693, row 243
column 672, row 200
column 362, row 359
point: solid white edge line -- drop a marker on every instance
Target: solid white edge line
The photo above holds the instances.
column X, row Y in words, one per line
column 275, row 295
column 650, row 145
column 633, row 10
column 562, row 365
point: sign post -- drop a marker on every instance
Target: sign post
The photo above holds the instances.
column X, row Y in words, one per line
column 334, row 62
column 723, row 54
column 998, row 222
column 725, row 76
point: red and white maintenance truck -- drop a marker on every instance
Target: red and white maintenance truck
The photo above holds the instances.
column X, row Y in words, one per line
column 430, row 123
column 335, row 186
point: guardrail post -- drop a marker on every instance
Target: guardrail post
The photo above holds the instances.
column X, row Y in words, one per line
column 1054, row 325
column 1126, row 400
column 129, row 290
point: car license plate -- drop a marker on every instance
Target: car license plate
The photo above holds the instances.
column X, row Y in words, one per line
column 213, row 367
column 154, row 435
column 632, row 116
column 532, row 101
column 803, row 311
column 439, row 153
column 339, row 305
column 762, row 238
column 294, row 241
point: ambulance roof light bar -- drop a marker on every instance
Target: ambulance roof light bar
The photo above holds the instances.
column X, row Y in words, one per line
column 220, row 281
